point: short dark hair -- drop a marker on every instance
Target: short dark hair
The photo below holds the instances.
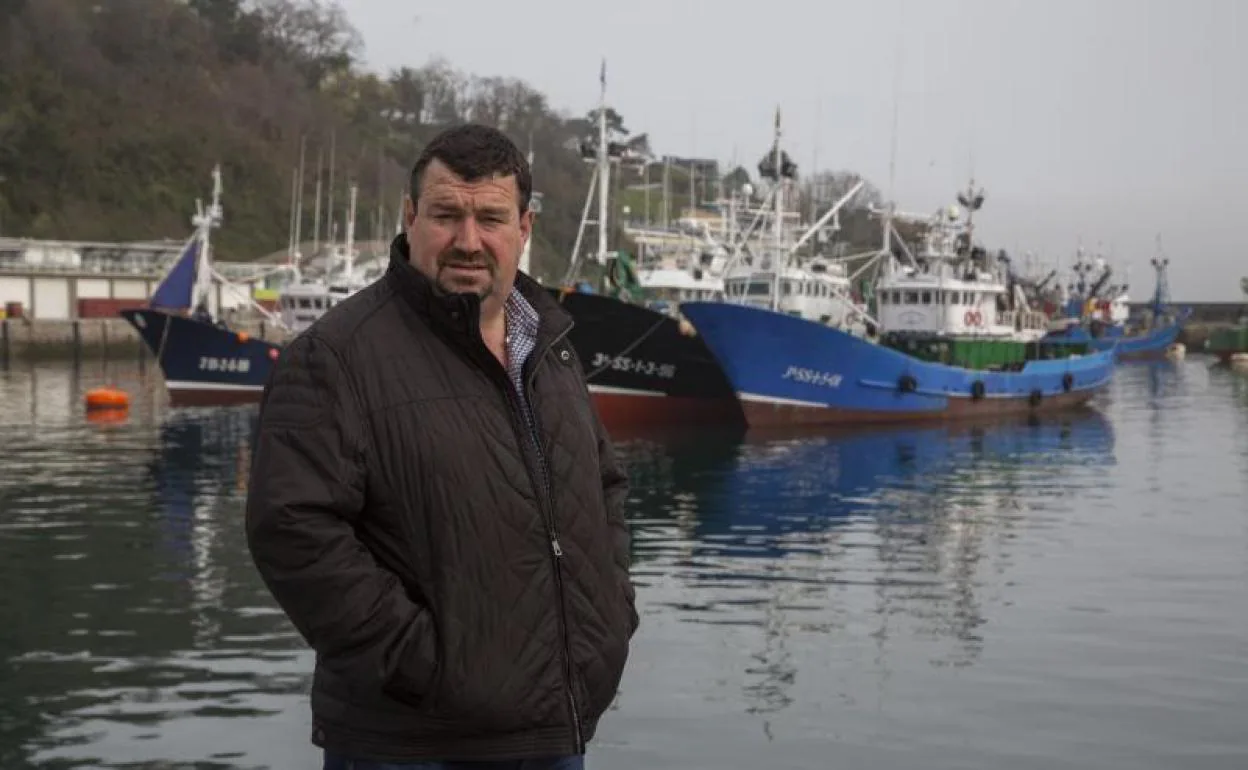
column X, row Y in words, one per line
column 475, row 152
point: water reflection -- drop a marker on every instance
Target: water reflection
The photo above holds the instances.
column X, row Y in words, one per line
column 763, row 537
column 202, row 462
column 152, row 622
column 1056, row 594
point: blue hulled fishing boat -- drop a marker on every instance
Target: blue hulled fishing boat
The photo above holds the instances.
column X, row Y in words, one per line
column 1096, row 314
column 952, row 343
column 203, row 360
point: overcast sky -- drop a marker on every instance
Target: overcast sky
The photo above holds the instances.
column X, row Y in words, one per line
column 1108, row 121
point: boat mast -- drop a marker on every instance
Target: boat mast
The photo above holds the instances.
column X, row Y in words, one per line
column 204, row 221
column 526, row 252
column 298, row 253
column 778, row 226
column 316, row 216
column 599, row 177
column 349, row 267
column 604, row 166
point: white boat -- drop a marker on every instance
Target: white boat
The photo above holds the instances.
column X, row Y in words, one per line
column 814, row 287
column 953, row 288
column 306, row 298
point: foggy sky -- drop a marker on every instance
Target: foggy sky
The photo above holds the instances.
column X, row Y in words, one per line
column 1104, row 122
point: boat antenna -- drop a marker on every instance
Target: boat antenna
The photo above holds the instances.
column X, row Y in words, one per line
column 890, row 207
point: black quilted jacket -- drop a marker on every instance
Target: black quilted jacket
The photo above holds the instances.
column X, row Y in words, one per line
column 464, row 601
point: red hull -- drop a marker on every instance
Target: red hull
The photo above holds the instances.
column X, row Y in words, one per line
column 617, row 410
column 179, row 397
column 625, row 410
column 769, row 415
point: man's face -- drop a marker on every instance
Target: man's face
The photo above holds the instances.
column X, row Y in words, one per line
column 467, row 236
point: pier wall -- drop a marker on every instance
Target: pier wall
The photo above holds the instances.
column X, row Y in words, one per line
column 23, row 339
column 1202, row 312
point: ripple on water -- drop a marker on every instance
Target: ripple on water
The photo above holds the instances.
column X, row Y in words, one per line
column 1063, row 594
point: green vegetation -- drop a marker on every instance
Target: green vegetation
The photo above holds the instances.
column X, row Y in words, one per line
column 113, row 113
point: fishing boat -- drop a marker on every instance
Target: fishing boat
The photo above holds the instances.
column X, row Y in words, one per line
column 1097, row 315
column 204, row 361
column 952, row 288
column 307, row 297
column 957, row 355
column 813, row 286
column 641, row 362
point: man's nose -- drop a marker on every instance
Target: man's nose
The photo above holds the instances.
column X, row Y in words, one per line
column 468, row 236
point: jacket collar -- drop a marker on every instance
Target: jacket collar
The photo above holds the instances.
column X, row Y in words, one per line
column 461, row 313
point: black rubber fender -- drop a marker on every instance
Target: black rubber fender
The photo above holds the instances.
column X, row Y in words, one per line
column 977, row 389
column 907, row 384
column 1068, row 381
column 1035, row 397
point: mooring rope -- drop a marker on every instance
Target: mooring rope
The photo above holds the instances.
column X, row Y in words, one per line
column 628, row 349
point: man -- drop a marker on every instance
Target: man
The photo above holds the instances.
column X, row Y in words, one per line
column 434, row 502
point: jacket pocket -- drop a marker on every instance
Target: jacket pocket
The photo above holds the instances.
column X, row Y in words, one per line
column 410, row 672
column 600, row 678
column 600, row 675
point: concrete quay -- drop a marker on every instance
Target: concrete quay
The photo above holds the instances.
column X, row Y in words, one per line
column 24, row 339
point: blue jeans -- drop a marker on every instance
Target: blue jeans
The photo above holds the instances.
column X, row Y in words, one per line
column 335, row 762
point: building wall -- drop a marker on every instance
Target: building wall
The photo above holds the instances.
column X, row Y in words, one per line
column 14, row 289
column 131, row 288
column 94, row 288
column 51, row 299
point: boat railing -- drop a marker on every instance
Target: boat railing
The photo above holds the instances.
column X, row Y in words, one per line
column 1023, row 319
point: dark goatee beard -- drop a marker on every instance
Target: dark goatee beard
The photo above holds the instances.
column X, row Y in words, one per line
column 445, row 291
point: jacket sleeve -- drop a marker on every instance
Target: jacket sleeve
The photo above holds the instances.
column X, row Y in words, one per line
column 614, row 492
column 306, row 493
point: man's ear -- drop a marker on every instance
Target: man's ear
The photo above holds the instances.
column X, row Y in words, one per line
column 409, row 211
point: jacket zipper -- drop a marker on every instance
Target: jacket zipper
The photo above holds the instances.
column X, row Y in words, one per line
column 531, row 437
column 555, row 549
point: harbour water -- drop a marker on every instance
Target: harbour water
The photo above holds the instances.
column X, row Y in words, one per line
column 1066, row 594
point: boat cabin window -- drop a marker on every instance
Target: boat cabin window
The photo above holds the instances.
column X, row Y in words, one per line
column 912, row 298
column 927, row 298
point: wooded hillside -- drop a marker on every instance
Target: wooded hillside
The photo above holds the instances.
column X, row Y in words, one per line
column 113, row 113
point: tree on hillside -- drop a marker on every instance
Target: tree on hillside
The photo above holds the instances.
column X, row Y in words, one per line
column 112, row 114
column 736, row 179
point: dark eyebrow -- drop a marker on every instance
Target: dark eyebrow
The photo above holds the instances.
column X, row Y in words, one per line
column 495, row 211
column 445, row 206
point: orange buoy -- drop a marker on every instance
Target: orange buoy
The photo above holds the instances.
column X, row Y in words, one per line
column 243, row 336
column 107, row 398
column 107, row 416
